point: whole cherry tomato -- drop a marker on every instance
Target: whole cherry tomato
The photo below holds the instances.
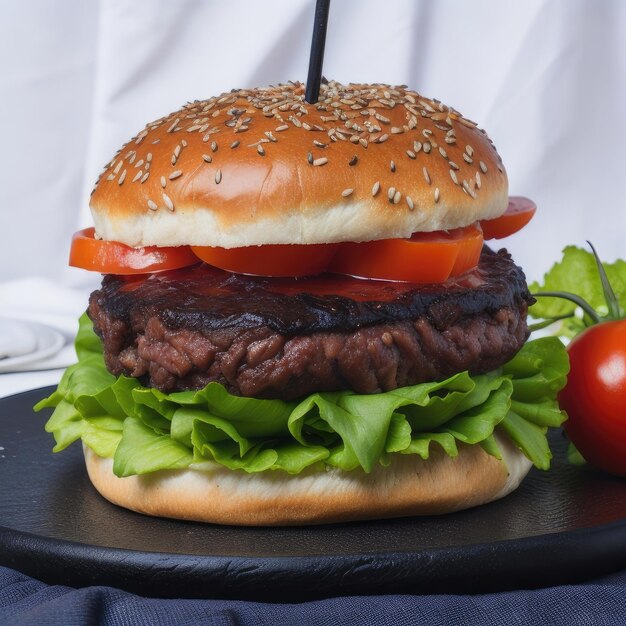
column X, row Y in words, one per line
column 595, row 395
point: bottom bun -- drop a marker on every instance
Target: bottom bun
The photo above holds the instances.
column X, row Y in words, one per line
column 408, row 486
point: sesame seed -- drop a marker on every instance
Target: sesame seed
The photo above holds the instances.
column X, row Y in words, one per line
column 363, row 142
column 469, row 150
column 207, row 158
column 483, row 167
column 173, row 125
column 319, row 144
column 392, row 166
column 347, row 192
column 163, row 182
column 144, row 178
column 409, row 201
column 396, row 198
column 353, row 160
column 426, row 174
column 138, row 175
column 417, row 146
column 376, row 188
column 174, row 159
column 309, row 157
column 168, row 202
column 383, row 137
column 214, row 146
column 410, row 154
column 218, row 177
column 234, row 144
column 149, row 157
column 176, row 174
column 443, row 153
column 426, row 147
column 152, row 206
column 455, row 180
column 469, row 190
column 177, row 150
column 139, row 164
column 282, row 127
column 391, row 193
column 118, row 167
column 436, row 195
column 122, row 178
column 453, row 165
column 321, row 161
column 478, row 181
column 260, row 150
column 467, row 158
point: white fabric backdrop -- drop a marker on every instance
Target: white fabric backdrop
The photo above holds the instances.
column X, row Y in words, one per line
column 546, row 78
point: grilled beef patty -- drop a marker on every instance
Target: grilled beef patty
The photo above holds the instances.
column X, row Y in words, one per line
column 285, row 338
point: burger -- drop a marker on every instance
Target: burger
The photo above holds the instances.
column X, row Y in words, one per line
column 299, row 321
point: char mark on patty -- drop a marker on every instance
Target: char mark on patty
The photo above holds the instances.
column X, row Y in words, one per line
column 263, row 338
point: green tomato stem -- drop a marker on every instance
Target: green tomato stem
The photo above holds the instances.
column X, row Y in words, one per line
column 548, row 322
column 612, row 302
column 572, row 297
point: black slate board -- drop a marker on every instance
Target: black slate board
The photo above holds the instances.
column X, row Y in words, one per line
column 567, row 525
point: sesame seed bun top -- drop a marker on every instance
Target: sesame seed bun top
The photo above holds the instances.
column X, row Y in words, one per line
column 263, row 166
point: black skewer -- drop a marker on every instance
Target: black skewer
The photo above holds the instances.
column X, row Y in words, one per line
column 317, row 51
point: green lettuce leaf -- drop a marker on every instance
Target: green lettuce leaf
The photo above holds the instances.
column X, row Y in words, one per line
column 145, row 430
column 141, row 450
column 577, row 273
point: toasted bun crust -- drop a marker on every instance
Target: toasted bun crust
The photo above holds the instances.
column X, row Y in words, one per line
column 262, row 166
column 409, row 486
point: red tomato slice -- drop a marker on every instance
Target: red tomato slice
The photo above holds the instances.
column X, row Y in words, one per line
column 424, row 258
column 519, row 212
column 112, row 257
column 471, row 242
column 271, row 259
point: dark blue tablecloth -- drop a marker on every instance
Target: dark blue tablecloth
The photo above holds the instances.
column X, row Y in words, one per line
column 25, row 601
